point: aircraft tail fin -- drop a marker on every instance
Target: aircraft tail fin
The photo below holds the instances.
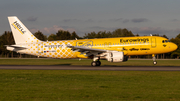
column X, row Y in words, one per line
column 20, row 33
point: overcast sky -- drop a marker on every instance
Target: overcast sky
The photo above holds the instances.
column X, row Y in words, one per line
column 144, row 17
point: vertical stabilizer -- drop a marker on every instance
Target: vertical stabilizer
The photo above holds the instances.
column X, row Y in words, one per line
column 20, row 33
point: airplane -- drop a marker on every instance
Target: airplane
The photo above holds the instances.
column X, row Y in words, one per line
column 110, row 49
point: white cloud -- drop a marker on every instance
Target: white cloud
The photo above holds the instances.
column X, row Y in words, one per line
column 51, row 30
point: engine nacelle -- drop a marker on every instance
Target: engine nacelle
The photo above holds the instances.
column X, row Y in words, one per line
column 116, row 57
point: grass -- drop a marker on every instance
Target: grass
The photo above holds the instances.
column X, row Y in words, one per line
column 79, row 85
column 67, row 85
column 86, row 62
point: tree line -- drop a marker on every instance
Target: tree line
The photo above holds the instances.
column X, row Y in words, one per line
column 7, row 39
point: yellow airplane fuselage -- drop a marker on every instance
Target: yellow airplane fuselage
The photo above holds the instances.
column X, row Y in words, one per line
column 129, row 45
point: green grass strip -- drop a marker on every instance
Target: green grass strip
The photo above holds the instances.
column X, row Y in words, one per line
column 72, row 85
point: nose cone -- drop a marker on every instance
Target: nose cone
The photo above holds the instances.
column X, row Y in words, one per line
column 173, row 47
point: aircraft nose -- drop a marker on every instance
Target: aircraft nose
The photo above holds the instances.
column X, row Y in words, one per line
column 173, row 47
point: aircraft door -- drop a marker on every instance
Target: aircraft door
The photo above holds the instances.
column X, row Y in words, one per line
column 153, row 42
column 40, row 47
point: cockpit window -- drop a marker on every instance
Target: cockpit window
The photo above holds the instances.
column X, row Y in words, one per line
column 165, row 41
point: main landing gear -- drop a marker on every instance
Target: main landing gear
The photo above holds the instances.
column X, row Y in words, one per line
column 154, row 59
column 96, row 62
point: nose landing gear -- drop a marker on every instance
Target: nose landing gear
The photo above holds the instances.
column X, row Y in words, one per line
column 154, row 59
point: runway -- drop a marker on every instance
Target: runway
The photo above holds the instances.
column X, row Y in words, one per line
column 108, row 68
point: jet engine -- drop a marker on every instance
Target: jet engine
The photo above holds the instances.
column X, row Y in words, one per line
column 116, row 57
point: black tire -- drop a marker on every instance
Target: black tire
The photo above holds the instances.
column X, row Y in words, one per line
column 155, row 62
column 98, row 63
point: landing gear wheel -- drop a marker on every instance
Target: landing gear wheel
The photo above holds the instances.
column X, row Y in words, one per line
column 93, row 63
column 98, row 63
column 155, row 62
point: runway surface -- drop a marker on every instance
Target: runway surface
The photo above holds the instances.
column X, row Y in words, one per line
column 110, row 68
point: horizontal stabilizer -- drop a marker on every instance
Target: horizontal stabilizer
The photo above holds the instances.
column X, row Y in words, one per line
column 15, row 47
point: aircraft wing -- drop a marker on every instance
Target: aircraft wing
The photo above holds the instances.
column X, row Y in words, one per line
column 88, row 51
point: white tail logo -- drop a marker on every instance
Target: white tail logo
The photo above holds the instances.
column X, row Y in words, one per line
column 20, row 32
